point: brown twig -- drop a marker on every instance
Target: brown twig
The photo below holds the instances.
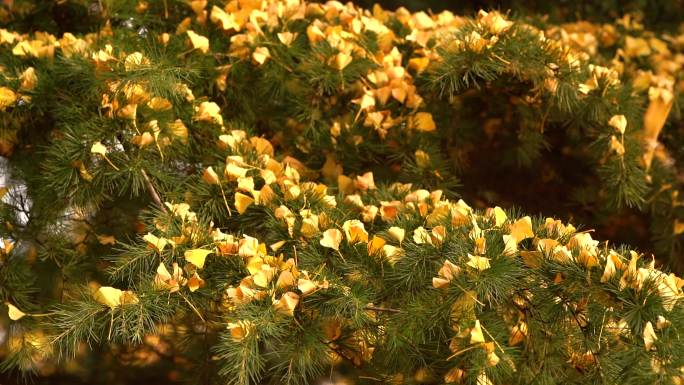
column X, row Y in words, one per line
column 152, row 191
column 382, row 309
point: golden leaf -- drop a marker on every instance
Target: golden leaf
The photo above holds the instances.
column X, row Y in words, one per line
column 331, row 239
column 198, row 42
column 306, row 286
column 618, row 122
column 650, row 336
column 287, row 303
column 375, row 245
column 521, row 229
column 197, row 257
column 421, row 236
column 242, row 202
column 225, row 20
column 287, row 37
column 422, row 121
column 499, row 216
column 341, row 60
column 28, row 79
column 98, row 148
column 14, row 313
column 510, row 245
column 157, row 243
column 355, row 231
column 476, row 336
column 478, row 263
column 240, row 329
column 195, row 282
column 285, row 279
column 7, row 98
column 208, row 112
column 609, row 271
column 260, row 55
column 114, row 297
column 397, row 233
column 210, row 176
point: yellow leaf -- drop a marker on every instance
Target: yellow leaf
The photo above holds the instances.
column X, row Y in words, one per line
column 234, row 172
column 261, row 54
column 610, row 269
column 499, row 216
column 306, row 286
column 7, row 98
column 195, row 282
column 618, row 122
column 341, row 60
column 242, row 202
column 285, row 280
column 197, row 257
column 355, row 231
column 28, row 79
column 375, row 245
column 198, row 42
column 286, row 37
column 397, row 233
column 478, row 263
column 331, row 239
column 113, row 297
column 240, row 329
column 157, row 243
column 287, row 303
column 476, row 335
column 210, row 176
column 208, row 112
column 654, row 120
column 423, row 122
column 98, row 148
column 225, row 20
column 521, row 229
column 14, row 313
column 650, row 336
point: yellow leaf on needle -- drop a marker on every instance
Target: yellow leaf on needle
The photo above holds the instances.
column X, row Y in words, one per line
column 197, row 257
column 14, row 313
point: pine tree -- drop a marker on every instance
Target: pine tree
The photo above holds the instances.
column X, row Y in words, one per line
column 268, row 191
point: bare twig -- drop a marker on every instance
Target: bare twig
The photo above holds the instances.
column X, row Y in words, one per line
column 152, row 191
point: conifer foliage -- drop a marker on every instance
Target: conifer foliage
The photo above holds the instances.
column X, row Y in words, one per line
column 266, row 192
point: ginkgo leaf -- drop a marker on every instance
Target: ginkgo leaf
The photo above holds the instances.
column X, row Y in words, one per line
column 287, row 303
column 242, row 202
column 331, row 239
column 422, row 121
column 618, row 122
column 521, row 229
column 397, row 233
column 306, row 286
column 478, row 262
column 114, row 297
column 260, row 55
column 198, row 42
column 195, row 282
column 476, row 335
column 499, row 216
column 355, row 231
column 98, row 148
column 210, row 176
column 13, row 312
column 197, row 256
column 155, row 242
column 439, row 282
column 650, row 336
column 375, row 245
